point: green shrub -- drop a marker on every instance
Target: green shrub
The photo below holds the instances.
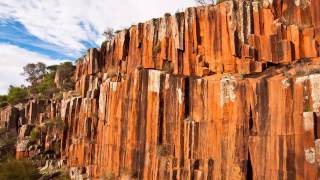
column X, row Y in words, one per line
column 46, row 87
column 3, row 104
column 59, row 123
column 8, row 141
column 34, row 134
column 17, row 95
column 3, row 101
column 18, row 170
column 7, row 144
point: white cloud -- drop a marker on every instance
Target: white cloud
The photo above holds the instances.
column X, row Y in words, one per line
column 12, row 60
column 58, row 21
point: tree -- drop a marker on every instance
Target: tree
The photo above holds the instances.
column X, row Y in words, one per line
column 205, row 2
column 64, row 75
column 108, row 33
column 45, row 87
column 34, row 72
column 17, row 95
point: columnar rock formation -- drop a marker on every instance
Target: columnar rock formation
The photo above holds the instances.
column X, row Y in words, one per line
column 230, row 91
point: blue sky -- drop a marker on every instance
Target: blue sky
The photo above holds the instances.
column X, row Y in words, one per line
column 52, row 31
column 14, row 33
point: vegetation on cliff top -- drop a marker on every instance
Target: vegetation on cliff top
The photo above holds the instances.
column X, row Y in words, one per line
column 3, row 101
column 17, row 94
column 42, row 83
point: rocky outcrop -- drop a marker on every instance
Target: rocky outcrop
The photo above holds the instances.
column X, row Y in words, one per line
column 230, row 37
column 9, row 118
column 216, row 92
column 155, row 125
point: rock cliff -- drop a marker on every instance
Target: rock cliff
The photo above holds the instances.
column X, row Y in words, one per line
column 230, row 91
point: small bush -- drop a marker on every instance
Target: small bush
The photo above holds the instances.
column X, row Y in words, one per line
column 163, row 150
column 3, row 104
column 3, row 101
column 8, row 141
column 34, row 134
column 18, row 170
column 46, row 87
column 59, row 123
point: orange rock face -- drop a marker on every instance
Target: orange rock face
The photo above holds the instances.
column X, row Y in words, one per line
column 230, row 91
column 155, row 125
column 9, row 118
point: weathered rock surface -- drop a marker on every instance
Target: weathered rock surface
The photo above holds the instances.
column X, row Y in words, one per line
column 160, row 126
column 230, row 91
column 9, row 118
